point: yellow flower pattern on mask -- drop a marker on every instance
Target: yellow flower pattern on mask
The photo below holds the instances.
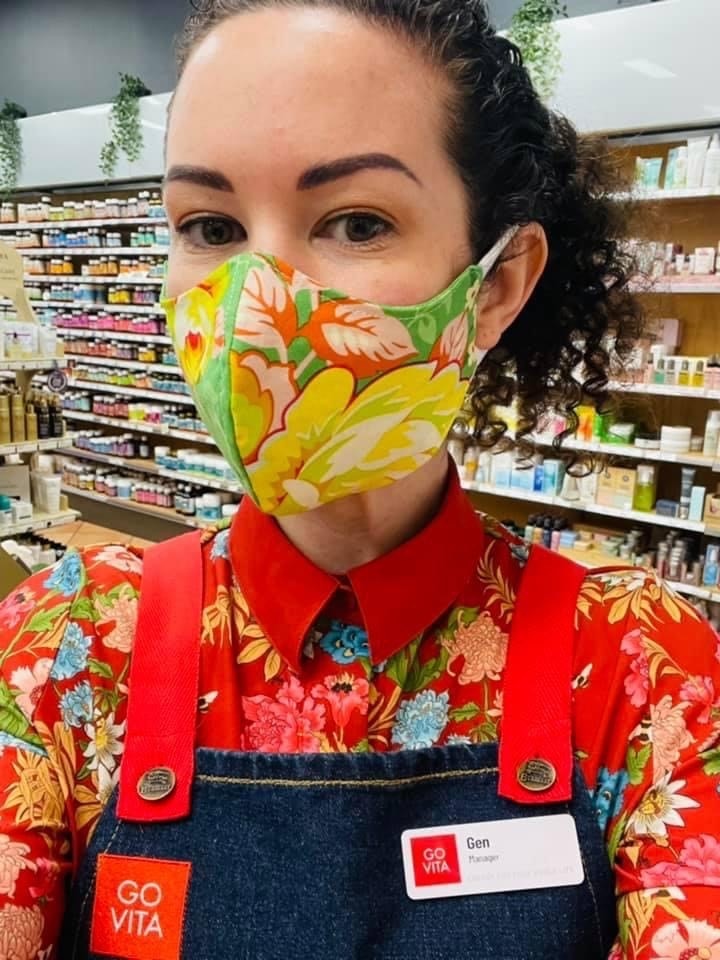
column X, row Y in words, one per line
column 195, row 324
column 334, row 444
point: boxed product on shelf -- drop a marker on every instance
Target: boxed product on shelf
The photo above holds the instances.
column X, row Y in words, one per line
column 15, row 481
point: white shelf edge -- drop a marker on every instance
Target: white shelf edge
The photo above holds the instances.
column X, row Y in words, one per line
column 152, row 469
column 663, row 390
column 675, row 286
column 139, row 392
column 134, row 308
column 637, row 516
column 73, row 224
column 678, row 193
column 120, row 279
column 129, row 364
column 632, row 452
column 84, row 333
column 40, row 363
column 139, row 426
column 40, row 521
column 134, row 507
column 91, row 251
column 33, row 446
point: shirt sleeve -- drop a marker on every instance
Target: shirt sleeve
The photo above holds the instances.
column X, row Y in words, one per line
column 65, row 641
column 647, row 720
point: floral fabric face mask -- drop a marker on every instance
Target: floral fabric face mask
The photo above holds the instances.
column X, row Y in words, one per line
column 312, row 395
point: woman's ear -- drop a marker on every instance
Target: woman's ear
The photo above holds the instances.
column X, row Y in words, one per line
column 503, row 297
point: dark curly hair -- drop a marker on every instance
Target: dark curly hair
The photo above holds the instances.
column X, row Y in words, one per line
column 521, row 163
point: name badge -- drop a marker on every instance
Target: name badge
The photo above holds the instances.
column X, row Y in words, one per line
column 499, row 856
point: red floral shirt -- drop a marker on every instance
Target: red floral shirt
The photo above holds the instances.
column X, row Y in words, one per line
column 406, row 652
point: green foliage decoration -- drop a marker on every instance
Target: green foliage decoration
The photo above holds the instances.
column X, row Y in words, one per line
column 534, row 31
column 125, row 129
column 11, row 151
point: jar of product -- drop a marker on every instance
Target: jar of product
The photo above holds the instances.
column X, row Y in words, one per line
column 143, row 203
column 210, row 507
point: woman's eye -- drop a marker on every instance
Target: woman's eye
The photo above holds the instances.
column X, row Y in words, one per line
column 212, row 232
column 356, row 228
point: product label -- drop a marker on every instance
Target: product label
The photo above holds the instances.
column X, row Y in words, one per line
column 139, row 907
column 501, row 855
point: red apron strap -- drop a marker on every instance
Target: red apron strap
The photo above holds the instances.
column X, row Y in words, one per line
column 156, row 773
column 536, row 752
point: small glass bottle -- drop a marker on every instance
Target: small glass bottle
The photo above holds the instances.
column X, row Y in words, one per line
column 683, row 378
column 670, row 375
column 698, row 375
column 645, row 488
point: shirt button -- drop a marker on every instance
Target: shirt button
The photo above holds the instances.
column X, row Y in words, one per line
column 536, row 775
column 156, row 784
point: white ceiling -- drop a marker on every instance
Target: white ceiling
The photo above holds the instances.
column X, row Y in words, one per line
column 648, row 67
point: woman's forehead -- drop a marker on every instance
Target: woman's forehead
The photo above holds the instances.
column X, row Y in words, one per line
column 302, row 84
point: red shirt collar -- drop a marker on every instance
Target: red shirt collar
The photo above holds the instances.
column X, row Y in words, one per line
column 399, row 594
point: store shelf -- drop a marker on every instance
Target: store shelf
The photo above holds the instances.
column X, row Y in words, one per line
column 40, row 521
column 681, row 193
column 595, row 559
column 139, row 426
column 151, row 468
column 91, row 252
column 679, row 285
column 139, row 392
column 635, row 453
column 100, row 307
column 32, row 446
column 69, row 332
column 72, row 224
column 663, row 390
column 126, row 364
column 638, row 516
column 165, row 513
column 40, row 363
column 120, row 279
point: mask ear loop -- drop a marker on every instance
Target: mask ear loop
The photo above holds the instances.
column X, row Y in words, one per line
column 486, row 265
column 493, row 254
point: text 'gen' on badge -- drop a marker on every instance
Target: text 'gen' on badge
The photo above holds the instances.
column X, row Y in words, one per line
column 156, row 784
column 536, row 775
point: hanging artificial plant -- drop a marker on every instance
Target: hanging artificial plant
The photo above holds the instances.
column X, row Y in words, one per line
column 533, row 30
column 11, row 154
column 125, row 129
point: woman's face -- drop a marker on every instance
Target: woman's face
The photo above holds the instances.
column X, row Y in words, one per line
column 312, row 136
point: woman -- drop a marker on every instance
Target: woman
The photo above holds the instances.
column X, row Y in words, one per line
column 299, row 755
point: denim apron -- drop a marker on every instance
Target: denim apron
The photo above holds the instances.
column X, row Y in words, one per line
column 291, row 857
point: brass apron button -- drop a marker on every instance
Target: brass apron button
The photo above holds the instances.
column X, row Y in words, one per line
column 536, row 775
column 156, row 784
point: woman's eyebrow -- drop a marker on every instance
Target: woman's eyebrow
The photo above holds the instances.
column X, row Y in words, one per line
column 313, row 177
column 323, row 173
column 200, row 176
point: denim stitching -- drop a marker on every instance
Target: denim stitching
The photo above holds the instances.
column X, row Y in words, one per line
column 385, row 784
